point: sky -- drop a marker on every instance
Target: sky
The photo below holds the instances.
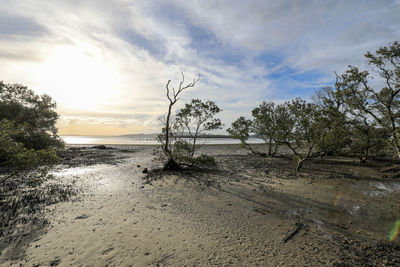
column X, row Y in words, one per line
column 106, row 62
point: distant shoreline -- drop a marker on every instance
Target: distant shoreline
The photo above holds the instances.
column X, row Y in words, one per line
column 155, row 145
column 121, row 140
column 153, row 135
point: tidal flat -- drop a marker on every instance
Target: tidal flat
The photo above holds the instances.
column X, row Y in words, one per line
column 246, row 211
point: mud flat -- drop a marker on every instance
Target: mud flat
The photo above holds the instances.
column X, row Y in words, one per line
column 248, row 211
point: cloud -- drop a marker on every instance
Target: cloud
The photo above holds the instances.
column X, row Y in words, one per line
column 110, row 60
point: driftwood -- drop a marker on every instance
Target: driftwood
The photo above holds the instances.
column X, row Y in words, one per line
column 292, row 232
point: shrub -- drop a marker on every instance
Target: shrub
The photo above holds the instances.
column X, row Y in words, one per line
column 205, row 161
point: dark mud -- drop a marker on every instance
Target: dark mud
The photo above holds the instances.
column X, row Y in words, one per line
column 354, row 204
column 77, row 156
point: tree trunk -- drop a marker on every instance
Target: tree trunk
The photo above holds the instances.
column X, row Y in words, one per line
column 166, row 148
column 398, row 151
column 251, row 149
column 299, row 164
column 171, row 165
column 367, row 149
column 366, row 153
column 396, row 144
column 275, row 149
column 270, row 147
column 193, row 148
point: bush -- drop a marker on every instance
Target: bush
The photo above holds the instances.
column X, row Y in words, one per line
column 33, row 117
column 28, row 135
column 14, row 155
column 205, row 161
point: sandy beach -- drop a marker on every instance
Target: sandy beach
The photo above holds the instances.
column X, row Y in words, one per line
column 247, row 211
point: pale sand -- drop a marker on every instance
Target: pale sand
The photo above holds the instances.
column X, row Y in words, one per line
column 180, row 221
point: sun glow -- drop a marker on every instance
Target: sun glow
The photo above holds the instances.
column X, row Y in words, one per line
column 77, row 78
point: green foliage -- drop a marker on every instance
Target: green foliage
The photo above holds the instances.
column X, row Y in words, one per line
column 197, row 117
column 34, row 116
column 333, row 133
column 180, row 133
column 193, row 120
column 182, row 150
column 28, row 135
column 351, row 116
column 366, row 138
column 297, row 128
column 240, row 129
column 205, row 160
column 264, row 123
column 14, row 155
column 376, row 105
column 166, row 137
column 295, row 123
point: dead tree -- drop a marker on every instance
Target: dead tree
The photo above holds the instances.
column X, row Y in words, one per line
column 172, row 96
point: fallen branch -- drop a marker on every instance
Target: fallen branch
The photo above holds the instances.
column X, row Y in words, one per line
column 292, row 232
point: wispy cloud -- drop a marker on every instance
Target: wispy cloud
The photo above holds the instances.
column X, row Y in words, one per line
column 107, row 62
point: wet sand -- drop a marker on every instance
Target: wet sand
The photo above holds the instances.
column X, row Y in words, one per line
column 249, row 211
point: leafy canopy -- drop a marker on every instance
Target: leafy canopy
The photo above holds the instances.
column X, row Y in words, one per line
column 28, row 134
column 33, row 115
column 379, row 104
column 194, row 119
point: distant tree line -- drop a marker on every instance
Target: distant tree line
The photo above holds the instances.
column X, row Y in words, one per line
column 353, row 116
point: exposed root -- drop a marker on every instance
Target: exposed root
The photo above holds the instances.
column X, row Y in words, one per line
column 172, row 165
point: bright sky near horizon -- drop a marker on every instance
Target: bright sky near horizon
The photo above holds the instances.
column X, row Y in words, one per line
column 106, row 63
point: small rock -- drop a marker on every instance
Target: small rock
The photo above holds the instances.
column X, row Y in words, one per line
column 145, row 170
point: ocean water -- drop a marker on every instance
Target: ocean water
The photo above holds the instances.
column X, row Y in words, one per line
column 123, row 140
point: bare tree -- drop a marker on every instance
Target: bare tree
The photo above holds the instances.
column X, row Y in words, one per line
column 173, row 97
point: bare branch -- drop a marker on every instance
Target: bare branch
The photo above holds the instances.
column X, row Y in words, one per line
column 183, row 79
column 167, row 86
